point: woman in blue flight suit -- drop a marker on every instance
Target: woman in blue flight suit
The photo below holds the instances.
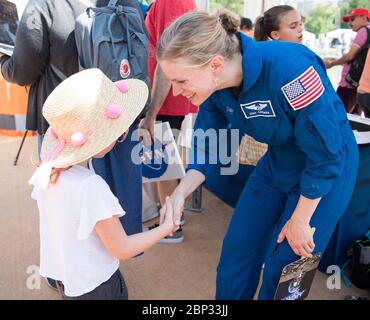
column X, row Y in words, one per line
column 278, row 93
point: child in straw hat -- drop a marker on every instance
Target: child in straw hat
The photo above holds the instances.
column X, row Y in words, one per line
column 81, row 237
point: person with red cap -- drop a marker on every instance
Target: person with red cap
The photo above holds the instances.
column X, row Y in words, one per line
column 358, row 21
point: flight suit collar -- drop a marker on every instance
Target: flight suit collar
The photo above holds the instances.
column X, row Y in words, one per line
column 251, row 61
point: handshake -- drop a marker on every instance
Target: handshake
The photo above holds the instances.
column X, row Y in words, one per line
column 170, row 213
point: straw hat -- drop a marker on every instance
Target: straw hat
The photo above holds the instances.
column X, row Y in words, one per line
column 86, row 113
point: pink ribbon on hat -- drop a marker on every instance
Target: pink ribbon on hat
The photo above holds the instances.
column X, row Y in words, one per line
column 56, row 151
column 41, row 177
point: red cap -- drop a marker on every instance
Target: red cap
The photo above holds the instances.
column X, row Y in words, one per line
column 357, row 12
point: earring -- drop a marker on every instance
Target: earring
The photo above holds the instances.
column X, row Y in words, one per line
column 216, row 81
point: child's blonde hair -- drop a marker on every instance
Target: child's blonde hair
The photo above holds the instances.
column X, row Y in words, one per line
column 55, row 173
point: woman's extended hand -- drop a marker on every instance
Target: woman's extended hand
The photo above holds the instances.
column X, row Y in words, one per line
column 299, row 236
column 177, row 201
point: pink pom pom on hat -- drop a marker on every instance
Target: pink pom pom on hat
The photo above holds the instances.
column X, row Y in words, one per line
column 78, row 139
column 113, row 111
column 122, row 86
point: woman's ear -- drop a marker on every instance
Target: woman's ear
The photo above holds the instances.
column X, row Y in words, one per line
column 217, row 64
column 275, row 35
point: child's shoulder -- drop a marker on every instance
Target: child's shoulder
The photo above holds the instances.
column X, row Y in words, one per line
column 80, row 175
column 83, row 176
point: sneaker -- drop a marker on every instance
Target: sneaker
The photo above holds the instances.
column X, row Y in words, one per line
column 177, row 236
column 182, row 220
column 51, row 283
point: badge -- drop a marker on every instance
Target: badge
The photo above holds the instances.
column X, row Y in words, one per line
column 124, row 69
column 258, row 109
column 296, row 279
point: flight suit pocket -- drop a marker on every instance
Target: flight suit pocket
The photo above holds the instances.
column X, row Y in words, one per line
column 265, row 130
column 326, row 131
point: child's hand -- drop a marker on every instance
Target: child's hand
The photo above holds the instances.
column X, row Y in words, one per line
column 167, row 211
column 177, row 202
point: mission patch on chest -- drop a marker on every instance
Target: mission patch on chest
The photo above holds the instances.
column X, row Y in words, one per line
column 258, row 109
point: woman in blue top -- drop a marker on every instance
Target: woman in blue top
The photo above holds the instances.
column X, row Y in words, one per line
column 277, row 92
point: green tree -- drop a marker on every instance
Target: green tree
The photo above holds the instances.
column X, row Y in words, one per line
column 321, row 20
column 236, row 6
column 347, row 6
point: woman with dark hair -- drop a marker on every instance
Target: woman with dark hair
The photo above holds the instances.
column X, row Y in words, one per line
column 279, row 23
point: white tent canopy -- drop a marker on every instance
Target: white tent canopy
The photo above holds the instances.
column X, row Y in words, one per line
column 308, row 35
column 338, row 33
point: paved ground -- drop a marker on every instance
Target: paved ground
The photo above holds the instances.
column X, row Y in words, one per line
column 184, row 271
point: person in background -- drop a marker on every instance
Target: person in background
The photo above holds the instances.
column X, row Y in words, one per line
column 246, row 26
column 279, row 23
column 278, row 92
column 358, row 21
column 165, row 106
column 363, row 90
column 44, row 54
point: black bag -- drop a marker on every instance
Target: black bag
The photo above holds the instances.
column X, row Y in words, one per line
column 360, row 274
column 358, row 63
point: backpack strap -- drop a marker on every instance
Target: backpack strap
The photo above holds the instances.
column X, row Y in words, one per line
column 58, row 72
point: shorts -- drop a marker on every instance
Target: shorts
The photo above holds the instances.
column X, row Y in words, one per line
column 112, row 289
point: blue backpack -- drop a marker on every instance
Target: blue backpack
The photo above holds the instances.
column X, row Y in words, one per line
column 113, row 39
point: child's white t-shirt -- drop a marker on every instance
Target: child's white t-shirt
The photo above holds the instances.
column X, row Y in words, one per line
column 70, row 249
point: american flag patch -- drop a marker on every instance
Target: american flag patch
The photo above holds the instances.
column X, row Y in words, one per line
column 303, row 90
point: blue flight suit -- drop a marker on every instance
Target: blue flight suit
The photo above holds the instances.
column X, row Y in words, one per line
column 312, row 152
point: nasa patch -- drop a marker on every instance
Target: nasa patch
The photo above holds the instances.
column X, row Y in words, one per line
column 154, row 160
column 258, row 109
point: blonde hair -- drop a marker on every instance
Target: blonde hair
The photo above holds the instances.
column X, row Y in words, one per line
column 199, row 36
